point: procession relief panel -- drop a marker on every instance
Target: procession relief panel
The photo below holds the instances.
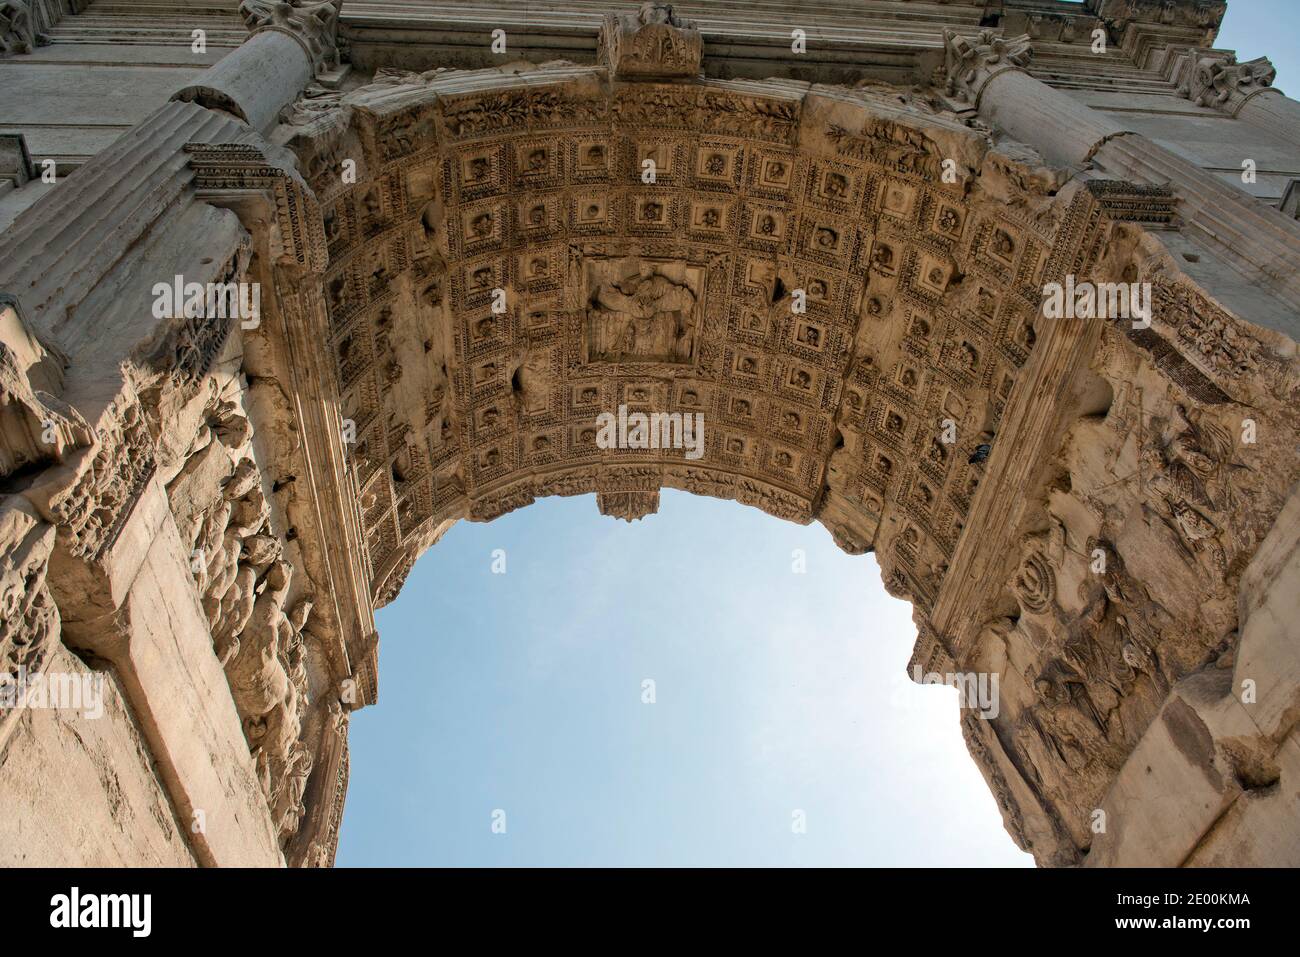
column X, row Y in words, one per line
column 177, row 420
column 1128, row 577
column 245, row 581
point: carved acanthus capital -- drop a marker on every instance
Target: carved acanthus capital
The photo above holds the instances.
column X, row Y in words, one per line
column 653, row 42
column 1225, row 84
column 971, row 62
column 314, row 24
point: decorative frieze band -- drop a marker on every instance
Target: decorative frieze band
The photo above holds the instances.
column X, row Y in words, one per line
column 1127, row 202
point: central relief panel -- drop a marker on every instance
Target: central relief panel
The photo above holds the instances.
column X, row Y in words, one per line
column 641, row 310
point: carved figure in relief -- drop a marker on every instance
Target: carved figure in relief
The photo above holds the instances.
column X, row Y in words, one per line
column 222, row 511
column 288, row 807
column 257, row 681
column 1139, row 619
column 1069, row 733
column 18, row 33
column 1188, row 476
column 29, row 623
column 531, row 379
column 643, row 316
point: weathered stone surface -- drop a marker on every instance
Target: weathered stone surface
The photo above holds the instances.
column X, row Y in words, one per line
column 653, row 42
column 81, row 791
column 819, row 293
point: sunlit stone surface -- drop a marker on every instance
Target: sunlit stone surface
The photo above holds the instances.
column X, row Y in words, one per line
column 440, row 263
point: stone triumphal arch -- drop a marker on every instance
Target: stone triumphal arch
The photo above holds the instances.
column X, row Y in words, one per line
column 465, row 246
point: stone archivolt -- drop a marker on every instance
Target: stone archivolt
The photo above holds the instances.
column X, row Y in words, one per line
column 676, row 296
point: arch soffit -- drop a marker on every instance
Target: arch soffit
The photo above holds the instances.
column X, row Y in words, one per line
column 920, row 291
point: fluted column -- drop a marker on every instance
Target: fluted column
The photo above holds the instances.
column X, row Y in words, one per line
column 1273, row 111
column 291, row 42
column 987, row 72
column 1065, row 131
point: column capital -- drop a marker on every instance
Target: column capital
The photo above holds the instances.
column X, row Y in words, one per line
column 970, row 62
column 1224, row 84
column 313, row 24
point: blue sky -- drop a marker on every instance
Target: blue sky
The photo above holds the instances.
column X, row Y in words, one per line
column 776, row 693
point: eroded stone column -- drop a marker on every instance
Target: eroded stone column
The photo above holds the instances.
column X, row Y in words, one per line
column 291, row 43
column 1259, row 242
column 162, row 506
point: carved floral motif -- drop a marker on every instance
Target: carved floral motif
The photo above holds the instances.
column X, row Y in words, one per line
column 653, row 42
